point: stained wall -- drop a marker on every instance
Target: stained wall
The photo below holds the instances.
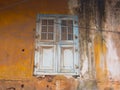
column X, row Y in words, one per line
column 99, row 36
column 17, row 35
column 100, row 54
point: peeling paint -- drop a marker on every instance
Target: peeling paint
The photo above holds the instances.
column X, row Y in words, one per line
column 113, row 63
column 100, row 51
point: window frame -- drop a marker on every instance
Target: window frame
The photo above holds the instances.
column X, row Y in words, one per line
column 56, row 40
column 40, row 28
column 66, row 19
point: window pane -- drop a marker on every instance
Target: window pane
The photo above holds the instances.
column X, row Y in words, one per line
column 50, row 22
column 64, row 22
column 44, row 29
column 64, row 36
column 70, row 23
column 70, row 37
column 64, row 30
column 67, row 30
column 43, row 36
column 70, row 30
column 44, row 22
column 50, row 36
column 50, row 29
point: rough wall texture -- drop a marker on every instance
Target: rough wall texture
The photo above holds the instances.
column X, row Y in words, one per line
column 100, row 54
column 99, row 30
column 17, row 24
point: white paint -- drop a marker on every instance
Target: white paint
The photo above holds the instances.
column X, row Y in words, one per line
column 113, row 63
column 57, row 56
column 68, row 58
column 48, row 57
column 85, row 66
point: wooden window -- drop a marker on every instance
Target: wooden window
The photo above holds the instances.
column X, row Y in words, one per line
column 66, row 30
column 57, row 49
column 47, row 29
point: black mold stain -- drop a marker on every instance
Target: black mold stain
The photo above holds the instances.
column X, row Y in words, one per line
column 117, row 4
column 101, row 13
column 91, row 14
column 90, row 10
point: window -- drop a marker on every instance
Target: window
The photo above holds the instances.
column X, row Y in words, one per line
column 67, row 30
column 57, row 48
column 47, row 29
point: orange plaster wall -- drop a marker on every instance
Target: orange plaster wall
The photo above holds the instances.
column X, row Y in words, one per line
column 100, row 58
column 17, row 35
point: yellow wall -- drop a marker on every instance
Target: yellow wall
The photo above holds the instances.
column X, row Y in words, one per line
column 17, row 35
column 100, row 58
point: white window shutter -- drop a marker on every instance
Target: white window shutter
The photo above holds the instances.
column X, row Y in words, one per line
column 59, row 55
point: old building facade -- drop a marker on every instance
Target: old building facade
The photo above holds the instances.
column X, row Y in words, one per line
column 99, row 34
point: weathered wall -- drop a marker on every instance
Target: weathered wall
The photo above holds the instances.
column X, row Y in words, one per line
column 112, row 39
column 100, row 54
column 100, row 30
column 17, row 24
column 17, row 30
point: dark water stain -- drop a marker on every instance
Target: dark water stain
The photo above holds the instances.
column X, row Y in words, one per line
column 101, row 13
column 91, row 10
column 117, row 4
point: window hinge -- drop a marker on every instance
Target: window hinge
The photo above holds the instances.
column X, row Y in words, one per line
column 37, row 49
column 37, row 36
